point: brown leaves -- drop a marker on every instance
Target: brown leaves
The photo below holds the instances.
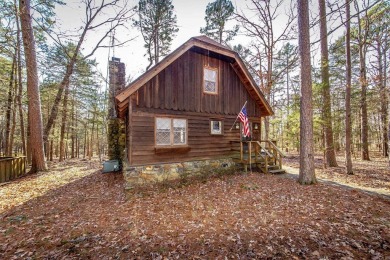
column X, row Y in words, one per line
column 241, row 216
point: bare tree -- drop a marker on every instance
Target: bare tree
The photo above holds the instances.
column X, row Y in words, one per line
column 306, row 158
column 34, row 99
column 261, row 27
column 94, row 21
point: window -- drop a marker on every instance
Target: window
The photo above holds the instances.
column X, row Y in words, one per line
column 216, row 127
column 210, row 80
column 170, row 131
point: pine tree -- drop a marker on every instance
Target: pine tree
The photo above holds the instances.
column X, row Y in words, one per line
column 348, row 127
column 306, row 158
column 218, row 13
column 330, row 154
column 34, row 100
column 158, row 25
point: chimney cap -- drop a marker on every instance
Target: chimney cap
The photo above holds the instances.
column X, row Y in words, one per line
column 116, row 59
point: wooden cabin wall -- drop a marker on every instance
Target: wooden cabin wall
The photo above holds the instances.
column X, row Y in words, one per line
column 179, row 87
column 200, row 143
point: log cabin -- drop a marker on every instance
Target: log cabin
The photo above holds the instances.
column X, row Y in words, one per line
column 180, row 114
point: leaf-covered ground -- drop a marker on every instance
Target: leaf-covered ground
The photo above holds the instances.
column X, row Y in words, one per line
column 371, row 175
column 242, row 216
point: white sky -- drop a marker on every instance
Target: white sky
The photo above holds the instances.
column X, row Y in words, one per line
column 190, row 18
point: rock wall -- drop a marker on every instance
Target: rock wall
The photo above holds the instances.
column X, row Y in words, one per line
column 140, row 175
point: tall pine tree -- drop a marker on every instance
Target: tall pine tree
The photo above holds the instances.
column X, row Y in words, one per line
column 306, row 158
column 34, row 100
column 158, row 25
column 218, row 13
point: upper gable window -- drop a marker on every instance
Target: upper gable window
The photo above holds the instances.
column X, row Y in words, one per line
column 210, row 80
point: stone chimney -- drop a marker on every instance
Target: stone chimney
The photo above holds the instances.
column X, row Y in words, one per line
column 116, row 127
column 117, row 75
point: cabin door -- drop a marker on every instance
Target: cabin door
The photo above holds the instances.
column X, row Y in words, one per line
column 255, row 130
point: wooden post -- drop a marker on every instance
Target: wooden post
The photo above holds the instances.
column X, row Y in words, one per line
column 250, row 154
column 280, row 161
column 241, row 151
column 256, row 152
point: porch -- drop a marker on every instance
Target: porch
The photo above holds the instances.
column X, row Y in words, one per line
column 264, row 155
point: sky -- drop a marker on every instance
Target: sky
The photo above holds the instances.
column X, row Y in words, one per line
column 190, row 18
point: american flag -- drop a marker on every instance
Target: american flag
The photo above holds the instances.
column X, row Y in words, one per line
column 244, row 119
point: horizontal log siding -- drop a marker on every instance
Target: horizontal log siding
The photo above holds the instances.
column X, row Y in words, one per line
column 179, row 87
column 202, row 144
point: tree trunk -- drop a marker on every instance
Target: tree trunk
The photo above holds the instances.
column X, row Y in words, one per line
column 63, row 123
column 383, row 100
column 12, row 133
column 98, row 143
column 288, row 103
column 85, row 141
column 362, row 44
column 348, row 128
column 51, row 149
column 20, row 91
column 306, row 158
column 330, row 154
column 73, row 129
column 9, row 109
column 91, row 142
column 34, row 99
column 28, row 147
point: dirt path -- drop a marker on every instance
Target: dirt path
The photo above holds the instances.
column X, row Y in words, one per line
column 238, row 216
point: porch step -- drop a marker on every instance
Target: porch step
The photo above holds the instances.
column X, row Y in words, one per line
column 277, row 171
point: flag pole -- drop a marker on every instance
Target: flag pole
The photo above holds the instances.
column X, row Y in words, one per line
column 237, row 116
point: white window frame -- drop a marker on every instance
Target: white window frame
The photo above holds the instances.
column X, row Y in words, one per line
column 214, row 132
column 216, row 80
column 172, row 132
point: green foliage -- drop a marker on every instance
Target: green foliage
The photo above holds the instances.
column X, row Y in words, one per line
column 158, row 25
column 218, row 13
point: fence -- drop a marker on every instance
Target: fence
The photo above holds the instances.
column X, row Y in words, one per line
column 11, row 168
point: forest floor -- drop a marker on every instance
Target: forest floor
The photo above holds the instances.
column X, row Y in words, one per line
column 75, row 212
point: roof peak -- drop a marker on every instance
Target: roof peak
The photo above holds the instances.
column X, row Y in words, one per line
column 208, row 40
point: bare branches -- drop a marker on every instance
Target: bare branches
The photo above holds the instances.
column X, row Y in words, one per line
column 343, row 22
column 95, row 19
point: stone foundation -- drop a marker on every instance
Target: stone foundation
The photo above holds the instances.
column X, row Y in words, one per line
column 140, row 175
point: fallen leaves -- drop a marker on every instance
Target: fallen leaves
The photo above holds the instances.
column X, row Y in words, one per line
column 240, row 216
column 24, row 189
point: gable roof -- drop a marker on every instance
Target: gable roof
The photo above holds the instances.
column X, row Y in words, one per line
column 203, row 43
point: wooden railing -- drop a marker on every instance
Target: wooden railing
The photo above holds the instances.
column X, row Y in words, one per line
column 277, row 154
column 11, row 168
column 262, row 153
